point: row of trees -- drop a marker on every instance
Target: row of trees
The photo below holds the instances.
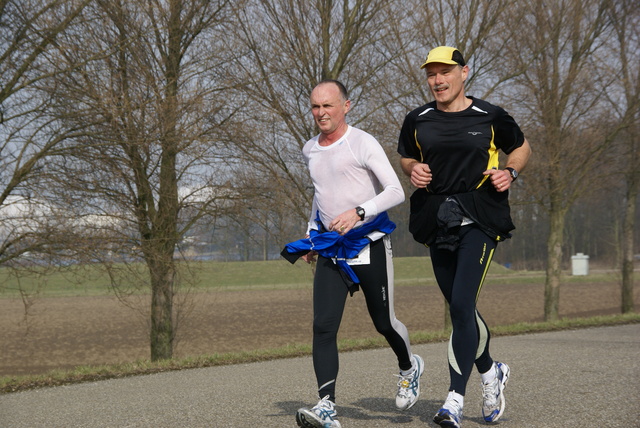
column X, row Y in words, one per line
column 130, row 128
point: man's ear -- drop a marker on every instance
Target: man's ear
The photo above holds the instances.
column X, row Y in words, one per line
column 465, row 73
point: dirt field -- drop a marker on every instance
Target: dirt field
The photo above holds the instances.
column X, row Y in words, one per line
column 66, row 332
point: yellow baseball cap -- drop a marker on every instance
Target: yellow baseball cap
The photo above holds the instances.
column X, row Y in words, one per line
column 444, row 55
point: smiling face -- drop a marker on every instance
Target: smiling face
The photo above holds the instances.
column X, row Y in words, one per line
column 446, row 83
column 329, row 109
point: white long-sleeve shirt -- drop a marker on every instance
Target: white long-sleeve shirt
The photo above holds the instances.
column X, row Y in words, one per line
column 353, row 171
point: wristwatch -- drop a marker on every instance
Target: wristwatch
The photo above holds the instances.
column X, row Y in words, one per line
column 360, row 212
column 513, row 173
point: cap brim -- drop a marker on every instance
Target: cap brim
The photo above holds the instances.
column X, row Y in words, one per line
column 439, row 61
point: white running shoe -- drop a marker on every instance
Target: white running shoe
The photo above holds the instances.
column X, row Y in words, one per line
column 322, row 415
column 493, row 401
column 409, row 385
column 450, row 415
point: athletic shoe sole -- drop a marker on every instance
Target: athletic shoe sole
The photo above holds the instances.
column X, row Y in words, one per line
column 306, row 418
column 444, row 420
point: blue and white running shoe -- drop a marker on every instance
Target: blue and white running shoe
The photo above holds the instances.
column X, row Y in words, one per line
column 322, row 415
column 409, row 385
column 450, row 415
column 493, row 401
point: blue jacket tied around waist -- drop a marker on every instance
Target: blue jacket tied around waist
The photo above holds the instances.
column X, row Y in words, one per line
column 338, row 247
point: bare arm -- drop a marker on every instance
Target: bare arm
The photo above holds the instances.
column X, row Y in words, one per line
column 517, row 159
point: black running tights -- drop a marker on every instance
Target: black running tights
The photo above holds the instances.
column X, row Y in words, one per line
column 329, row 297
column 460, row 275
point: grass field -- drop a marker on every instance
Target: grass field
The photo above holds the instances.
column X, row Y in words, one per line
column 93, row 280
column 273, row 274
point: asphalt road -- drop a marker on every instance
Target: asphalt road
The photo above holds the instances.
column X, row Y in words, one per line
column 580, row 378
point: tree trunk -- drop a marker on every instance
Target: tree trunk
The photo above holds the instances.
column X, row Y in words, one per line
column 627, row 245
column 554, row 265
column 162, row 291
column 165, row 224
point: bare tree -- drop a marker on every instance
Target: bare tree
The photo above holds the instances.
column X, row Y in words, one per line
column 559, row 53
column 151, row 84
column 625, row 19
column 30, row 29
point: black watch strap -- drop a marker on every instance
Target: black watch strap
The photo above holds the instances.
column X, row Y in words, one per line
column 360, row 212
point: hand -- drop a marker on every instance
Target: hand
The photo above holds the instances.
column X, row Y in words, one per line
column 310, row 256
column 421, row 175
column 500, row 178
column 344, row 222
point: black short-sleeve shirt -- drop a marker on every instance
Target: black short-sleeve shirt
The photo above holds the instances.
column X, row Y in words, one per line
column 458, row 146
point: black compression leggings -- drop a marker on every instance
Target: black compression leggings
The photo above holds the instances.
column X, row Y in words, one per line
column 329, row 297
column 460, row 275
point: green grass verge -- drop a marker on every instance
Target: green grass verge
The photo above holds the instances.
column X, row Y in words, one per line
column 92, row 280
column 143, row 367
